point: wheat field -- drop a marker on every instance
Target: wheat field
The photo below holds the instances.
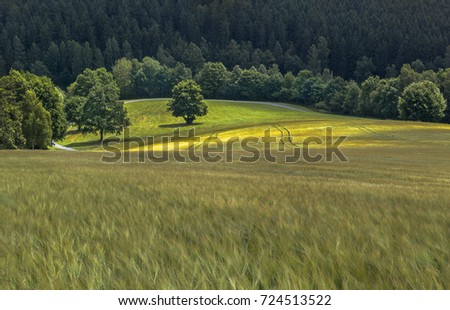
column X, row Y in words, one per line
column 379, row 221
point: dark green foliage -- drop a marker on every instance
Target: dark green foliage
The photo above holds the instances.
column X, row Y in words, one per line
column 375, row 98
column 418, row 66
column 407, row 76
column 36, row 123
column 31, row 111
column 11, row 135
column 148, row 78
column 93, row 103
column 214, row 78
column 351, row 99
column 86, row 81
column 74, row 110
column 364, row 68
column 103, row 112
column 443, row 77
column 422, row 101
column 249, row 85
column 187, row 101
column 366, row 104
column 310, row 88
column 334, row 95
column 52, row 100
column 122, row 74
column 385, row 99
column 68, row 37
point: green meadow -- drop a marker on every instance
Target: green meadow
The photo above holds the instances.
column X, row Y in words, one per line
column 379, row 221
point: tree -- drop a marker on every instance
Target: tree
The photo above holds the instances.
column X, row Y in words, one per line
column 38, row 68
column 334, row 95
column 19, row 53
column 37, row 123
column 98, row 94
column 310, row 88
column 366, row 106
column 187, row 101
column 11, row 136
column 250, row 85
column 385, row 99
column 351, row 99
column 323, row 52
column 74, row 110
column 26, row 95
column 391, row 71
column 447, row 57
column 213, row 78
column 122, row 75
column 193, row 57
column 288, row 91
column 364, row 68
column 103, row 112
column 418, row 66
column 52, row 100
column 444, row 85
column 407, row 76
column 422, row 101
column 313, row 60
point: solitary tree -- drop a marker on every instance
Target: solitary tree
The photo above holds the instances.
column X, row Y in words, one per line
column 187, row 101
column 422, row 101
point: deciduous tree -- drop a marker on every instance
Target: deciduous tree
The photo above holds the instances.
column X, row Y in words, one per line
column 187, row 101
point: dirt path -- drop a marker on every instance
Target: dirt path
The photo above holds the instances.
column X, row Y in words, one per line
column 279, row 105
column 64, row 148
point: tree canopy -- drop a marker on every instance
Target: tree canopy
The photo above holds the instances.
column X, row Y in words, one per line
column 350, row 37
column 187, row 101
column 422, row 101
column 93, row 103
column 31, row 111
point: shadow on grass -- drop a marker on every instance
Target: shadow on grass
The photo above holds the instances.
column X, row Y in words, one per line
column 179, row 125
column 129, row 143
column 73, row 132
column 86, row 144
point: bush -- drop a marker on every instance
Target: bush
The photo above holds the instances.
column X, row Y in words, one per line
column 422, row 101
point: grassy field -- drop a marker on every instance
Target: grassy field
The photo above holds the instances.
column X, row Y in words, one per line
column 379, row 221
column 150, row 118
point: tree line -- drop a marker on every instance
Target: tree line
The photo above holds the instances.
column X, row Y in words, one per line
column 61, row 38
column 34, row 112
column 31, row 111
column 373, row 97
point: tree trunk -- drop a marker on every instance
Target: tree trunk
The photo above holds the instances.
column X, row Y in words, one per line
column 101, row 135
column 189, row 120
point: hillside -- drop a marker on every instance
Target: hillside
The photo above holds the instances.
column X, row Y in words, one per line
column 378, row 221
column 62, row 38
column 233, row 118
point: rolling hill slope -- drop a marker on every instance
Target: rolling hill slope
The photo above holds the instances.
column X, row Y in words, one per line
column 378, row 221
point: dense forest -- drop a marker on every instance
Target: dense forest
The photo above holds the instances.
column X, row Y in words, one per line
column 61, row 38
